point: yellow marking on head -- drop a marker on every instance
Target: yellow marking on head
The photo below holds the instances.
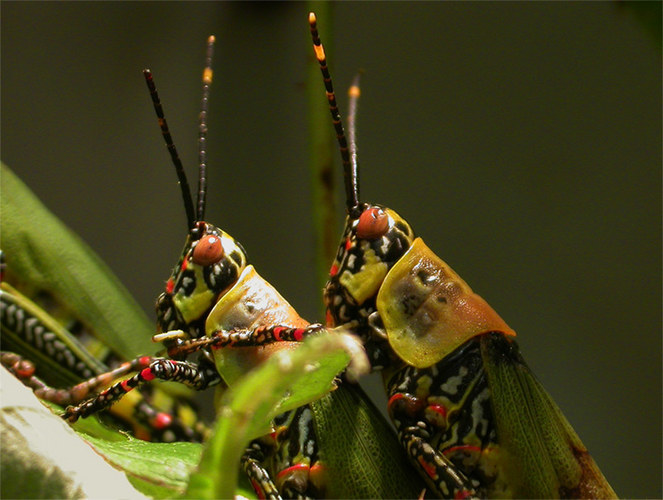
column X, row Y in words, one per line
column 365, row 282
column 192, row 307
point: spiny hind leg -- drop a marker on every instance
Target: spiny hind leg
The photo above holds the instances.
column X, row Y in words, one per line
column 148, row 422
column 190, row 374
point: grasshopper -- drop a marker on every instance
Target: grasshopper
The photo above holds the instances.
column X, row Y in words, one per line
column 470, row 414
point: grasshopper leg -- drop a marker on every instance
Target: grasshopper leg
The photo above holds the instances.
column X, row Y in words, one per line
column 440, row 471
column 263, row 335
column 252, row 463
column 291, row 452
column 162, row 426
column 192, row 375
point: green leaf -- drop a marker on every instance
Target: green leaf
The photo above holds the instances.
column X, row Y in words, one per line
column 158, row 469
column 42, row 457
column 43, row 253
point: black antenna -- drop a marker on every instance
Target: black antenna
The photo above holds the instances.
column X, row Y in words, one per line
column 181, row 175
column 202, row 131
column 349, row 168
column 354, row 93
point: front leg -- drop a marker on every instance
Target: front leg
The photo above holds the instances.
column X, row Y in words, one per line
column 253, row 462
column 263, row 335
column 286, row 463
column 414, row 432
column 444, row 418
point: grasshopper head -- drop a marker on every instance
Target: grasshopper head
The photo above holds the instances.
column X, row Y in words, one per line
column 374, row 238
column 209, row 265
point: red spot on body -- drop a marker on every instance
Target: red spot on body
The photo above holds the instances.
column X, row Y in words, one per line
column 406, row 403
column 125, row 386
column 257, row 489
column 462, row 448
column 438, row 409
column 316, row 468
column 144, row 361
column 317, row 475
column 299, row 334
column 277, row 332
column 293, row 468
column 24, row 369
column 147, row 374
column 348, row 244
column 162, row 420
column 329, row 319
column 184, row 265
column 428, row 468
column 170, row 286
column 394, row 398
column 462, row 494
column 333, row 271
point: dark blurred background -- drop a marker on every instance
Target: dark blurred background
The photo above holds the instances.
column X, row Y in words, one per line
column 521, row 140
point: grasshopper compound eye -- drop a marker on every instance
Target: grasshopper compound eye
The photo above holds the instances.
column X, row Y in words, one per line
column 208, row 250
column 373, row 224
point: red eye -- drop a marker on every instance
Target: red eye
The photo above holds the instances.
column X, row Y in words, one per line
column 373, row 223
column 208, row 250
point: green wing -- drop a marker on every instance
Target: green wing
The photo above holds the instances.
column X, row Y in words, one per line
column 543, row 456
column 44, row 254
column 360, row 450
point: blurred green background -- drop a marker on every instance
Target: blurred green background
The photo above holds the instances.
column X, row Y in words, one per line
column 521, row 140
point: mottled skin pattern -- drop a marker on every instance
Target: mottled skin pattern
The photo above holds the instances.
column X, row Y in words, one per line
column 476, row 422
column 448, row 405
column 445, row 427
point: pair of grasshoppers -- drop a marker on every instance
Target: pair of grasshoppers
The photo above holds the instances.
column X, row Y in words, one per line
column 469, row 414
column 213, row 289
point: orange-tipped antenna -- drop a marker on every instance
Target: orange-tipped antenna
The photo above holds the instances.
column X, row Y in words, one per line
column 202, row 131
column 349, row 168
column 181, row 175
column 354, row 92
